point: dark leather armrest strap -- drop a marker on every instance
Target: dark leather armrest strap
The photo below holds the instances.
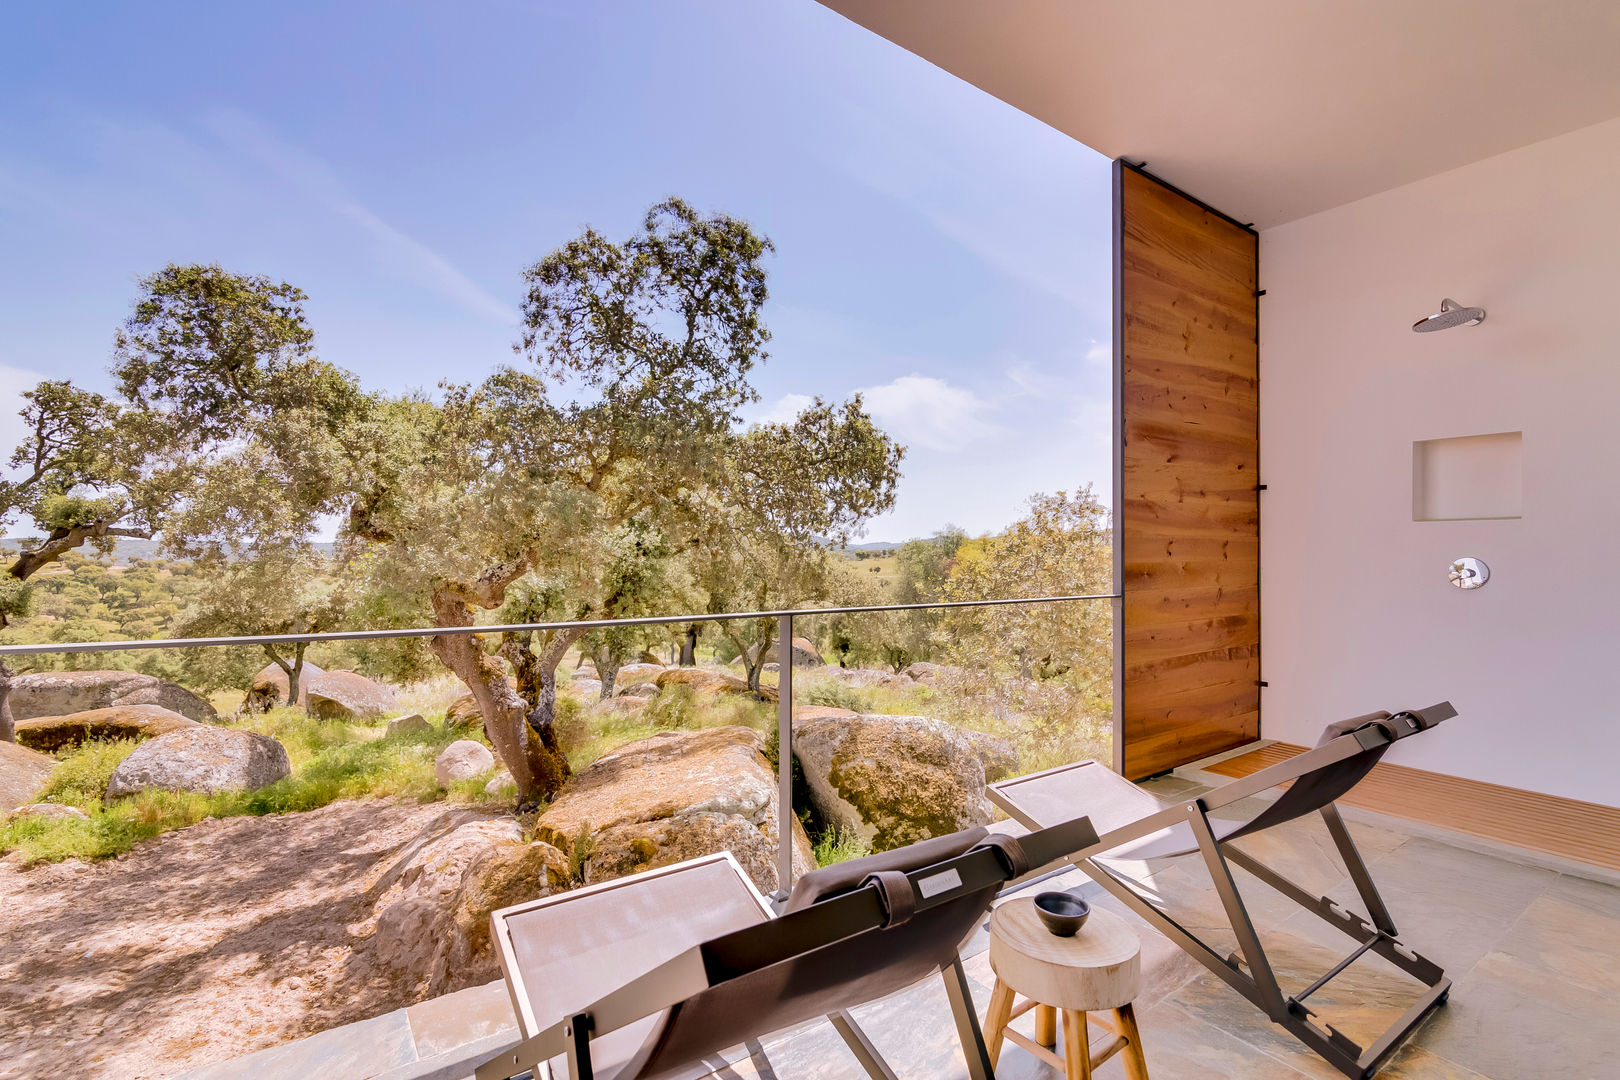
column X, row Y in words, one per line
column 895, row 891
column 1013, row 856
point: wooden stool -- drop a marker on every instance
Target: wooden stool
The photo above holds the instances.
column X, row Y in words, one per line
column 1092, row 977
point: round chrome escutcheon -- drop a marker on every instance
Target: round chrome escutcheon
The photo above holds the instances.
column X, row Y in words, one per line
column 1469, row 573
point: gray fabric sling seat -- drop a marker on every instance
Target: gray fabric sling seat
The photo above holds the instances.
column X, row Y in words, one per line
column 1135, row 829
column 848, row 934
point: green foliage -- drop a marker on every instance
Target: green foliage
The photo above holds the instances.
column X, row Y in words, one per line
column 83, row 599
column 839, row 845
column 16, row 599
column 61, row 511
column 834, row 695
column 225, row 435
column 580, row 852
column 81, row 778
column 675, row 707
column 331, row 761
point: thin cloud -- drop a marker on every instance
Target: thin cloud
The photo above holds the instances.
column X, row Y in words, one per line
column 920, row 410
column 781, row 411
column 397, row 249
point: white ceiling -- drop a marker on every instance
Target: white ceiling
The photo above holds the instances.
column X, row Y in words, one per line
column 1274, row 109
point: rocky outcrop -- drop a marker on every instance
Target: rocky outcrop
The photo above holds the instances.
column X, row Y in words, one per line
column 709, row 681
column 893, row 780
column 432, row 921
column 998, row 756
column 207, row 760
column 49, row 811
column 463, row 712
column 414, row 724
column 48, row 733
column 463, row 759
column 344, row 695
column 924, row 672
column 805, row 654
column 821, row 712
column 675, row 796
column 631, row 674
column 59, row 693
column 620, row 706
column 639, row 690
column 589, row 689
column 269, row 687
column 887, row 680
column 23, row 773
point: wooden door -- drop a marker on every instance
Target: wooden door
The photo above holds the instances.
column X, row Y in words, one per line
column 1187, row 419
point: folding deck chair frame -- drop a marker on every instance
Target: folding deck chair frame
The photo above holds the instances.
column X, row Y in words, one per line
column 1368, row 736
column 776, row 939
column 856, row 1039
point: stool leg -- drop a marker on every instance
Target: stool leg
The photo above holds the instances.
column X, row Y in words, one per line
column 1076, row 1046
column 1046, row 1025
column 995, row 1019
column 1135, row 1060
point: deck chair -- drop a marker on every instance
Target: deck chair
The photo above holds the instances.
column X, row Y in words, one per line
column 1135, row 827
column 655, row 974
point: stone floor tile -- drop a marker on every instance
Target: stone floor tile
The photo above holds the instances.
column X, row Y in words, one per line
column 1413, row 1062
column 1361, row 1002
column 1507, row 1020
column 1569, row 932
column 1180, row 1046
column 1449, row 904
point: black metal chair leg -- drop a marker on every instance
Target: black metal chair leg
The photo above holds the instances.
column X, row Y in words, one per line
column 968, row 1032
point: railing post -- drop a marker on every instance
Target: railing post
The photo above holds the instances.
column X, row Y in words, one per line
column 784, row 752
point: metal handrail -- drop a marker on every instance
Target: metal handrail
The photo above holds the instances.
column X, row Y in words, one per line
column 784, row 707
column 447, row 631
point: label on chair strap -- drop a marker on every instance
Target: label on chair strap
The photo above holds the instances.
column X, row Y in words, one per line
column 935, row 884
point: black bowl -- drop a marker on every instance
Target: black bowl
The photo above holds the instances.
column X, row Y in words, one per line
column 1063, row 913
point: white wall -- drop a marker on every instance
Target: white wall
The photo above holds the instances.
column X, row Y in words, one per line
column 1357, row 613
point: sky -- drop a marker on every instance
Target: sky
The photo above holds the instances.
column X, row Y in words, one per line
column 937, row 251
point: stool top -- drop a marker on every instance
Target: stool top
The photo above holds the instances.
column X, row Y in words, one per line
column 1098, row 968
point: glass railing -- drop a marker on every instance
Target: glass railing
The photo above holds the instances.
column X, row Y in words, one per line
column 1019, row 684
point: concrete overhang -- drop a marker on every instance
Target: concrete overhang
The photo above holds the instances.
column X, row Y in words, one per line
column 1272, row 110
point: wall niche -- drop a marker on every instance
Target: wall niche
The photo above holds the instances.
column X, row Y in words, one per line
column 1469, row 478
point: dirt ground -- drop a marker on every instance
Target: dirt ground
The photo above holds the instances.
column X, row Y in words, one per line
column 201, row 945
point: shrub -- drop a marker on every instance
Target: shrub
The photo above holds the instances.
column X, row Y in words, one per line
column 839, row 845
column 330, row 760
column 82, row 776
column 675, row 707
column 835, row 695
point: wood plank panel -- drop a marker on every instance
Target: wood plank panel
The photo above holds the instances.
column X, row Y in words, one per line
column 1186, row 500
column 1571, row 829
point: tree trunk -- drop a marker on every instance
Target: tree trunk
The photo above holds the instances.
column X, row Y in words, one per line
column 296, row 674
column 294, row 671
column 537, row 682
column 63, row 540
column 286, row 669
column 538, row 770
column 755, row 664
column 689, row 646
column 8, row 726
column 607, row 669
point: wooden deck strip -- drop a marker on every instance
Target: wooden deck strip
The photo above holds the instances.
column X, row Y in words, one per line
column 1583, row 831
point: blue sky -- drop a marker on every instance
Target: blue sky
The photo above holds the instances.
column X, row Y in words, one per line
column 936, row 249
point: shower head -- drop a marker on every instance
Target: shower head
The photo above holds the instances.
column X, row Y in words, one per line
column 1450, row 314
